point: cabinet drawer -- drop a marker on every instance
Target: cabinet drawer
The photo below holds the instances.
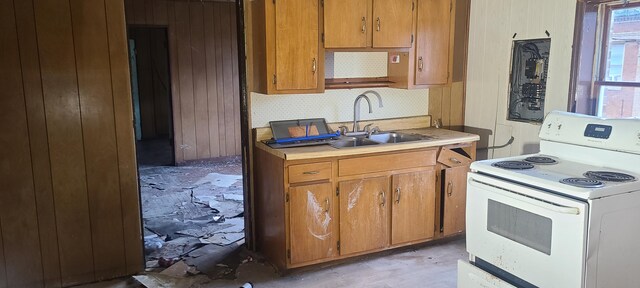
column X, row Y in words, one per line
column 389, row 162
column 309, row 172
column 451, row 158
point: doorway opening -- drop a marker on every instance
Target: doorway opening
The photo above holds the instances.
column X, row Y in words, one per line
column 150, row 89
column 193, row 201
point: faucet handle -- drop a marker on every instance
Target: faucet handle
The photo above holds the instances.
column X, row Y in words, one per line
column 367, row 127
column 343, row 129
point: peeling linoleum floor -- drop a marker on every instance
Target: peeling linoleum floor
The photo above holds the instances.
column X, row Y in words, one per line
column 432, row 266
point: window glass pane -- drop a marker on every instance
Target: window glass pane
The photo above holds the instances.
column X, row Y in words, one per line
column 622, row 42
column 619, row 102
column 614, row 62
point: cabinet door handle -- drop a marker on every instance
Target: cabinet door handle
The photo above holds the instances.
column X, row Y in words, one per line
column 311, row 172
column 384, row 199
column 398, row 195
column 364, row 25
column 454, row 160
column 420, row 64
column 327, row 205
column 378, row 24
column 313, row 66
column 449, row 189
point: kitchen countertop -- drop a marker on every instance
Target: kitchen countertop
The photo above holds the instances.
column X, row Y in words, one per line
column 440, row 137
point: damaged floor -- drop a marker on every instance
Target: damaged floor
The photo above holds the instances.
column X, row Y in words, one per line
column 190, row 209
column 432, row 266
column 194, row 229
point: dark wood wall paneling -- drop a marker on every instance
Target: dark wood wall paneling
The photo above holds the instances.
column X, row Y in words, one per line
column 204, row 73
column 69, row 210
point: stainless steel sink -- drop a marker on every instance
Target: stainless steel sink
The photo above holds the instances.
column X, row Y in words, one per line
column 345, row 142
column 395, row 137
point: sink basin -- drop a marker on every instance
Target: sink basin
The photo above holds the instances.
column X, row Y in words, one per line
column 395, row 137
column 345, row 142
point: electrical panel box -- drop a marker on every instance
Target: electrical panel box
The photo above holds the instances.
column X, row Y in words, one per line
column 528, row 82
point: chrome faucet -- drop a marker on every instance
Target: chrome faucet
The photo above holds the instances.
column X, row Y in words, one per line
column 356, row 108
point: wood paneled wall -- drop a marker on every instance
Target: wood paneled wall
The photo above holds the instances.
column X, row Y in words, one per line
column 446, row 104
column 69, row 208
column 494, row 25
column 203, row 57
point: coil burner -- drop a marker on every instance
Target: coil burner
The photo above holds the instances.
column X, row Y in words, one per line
column 609, row 176
column 582, row 182
column 513, row 165
column 541, row 160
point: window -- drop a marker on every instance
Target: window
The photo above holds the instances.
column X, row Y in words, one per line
column 614, row 62
column 610, row 86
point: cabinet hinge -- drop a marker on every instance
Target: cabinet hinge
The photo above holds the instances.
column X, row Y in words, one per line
column 338, row 246
column 287, row 198
column 274, row 2
column 411, row 38
column 413, row 5
column 322, row 37
column 322, row 3
column 274, row 79
column 289, row 254
column 450, row 5
column 337, row 191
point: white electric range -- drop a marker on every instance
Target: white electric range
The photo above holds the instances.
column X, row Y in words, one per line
column 566, row 217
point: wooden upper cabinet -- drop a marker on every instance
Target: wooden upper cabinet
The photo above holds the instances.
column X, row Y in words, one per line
column 392, row 20
column 433, row 42
column 413, row 206
column 311, row 223
column 296, row 38
column 286, row 49
column 347, row 23
column 364, row 214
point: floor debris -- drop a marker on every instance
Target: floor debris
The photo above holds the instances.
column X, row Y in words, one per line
column 155, row 280
column 190, row 212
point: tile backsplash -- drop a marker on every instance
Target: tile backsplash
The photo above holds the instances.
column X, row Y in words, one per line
column 337, row 105
column 355, row 64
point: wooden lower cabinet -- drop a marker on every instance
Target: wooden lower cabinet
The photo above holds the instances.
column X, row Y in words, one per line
column 413, row 206
column 455, row 196
column 364, row 214
column 311, row 222
column 308, row 212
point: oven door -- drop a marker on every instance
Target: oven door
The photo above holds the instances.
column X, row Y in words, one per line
column 529, row 237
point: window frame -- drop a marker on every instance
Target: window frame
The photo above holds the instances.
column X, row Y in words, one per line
column 589, row 59
column 604, row 48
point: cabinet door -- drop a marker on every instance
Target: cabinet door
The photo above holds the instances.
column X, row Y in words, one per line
column 413, row 208
column 433, row 42
column 297, row 43
column 392, row 20
column 364, row 214
column 455, row 194
column 346, row 23
column 311, row 222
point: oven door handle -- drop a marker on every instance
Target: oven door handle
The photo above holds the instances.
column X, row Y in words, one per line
column 540, row 203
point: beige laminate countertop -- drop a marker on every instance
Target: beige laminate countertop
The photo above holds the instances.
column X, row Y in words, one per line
column 440, row 137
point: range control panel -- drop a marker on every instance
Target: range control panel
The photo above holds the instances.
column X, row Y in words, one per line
column 598, row 131
column 590, row 131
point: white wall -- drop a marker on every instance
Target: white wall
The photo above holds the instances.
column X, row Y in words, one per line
column 337, row 105
column 492, row 26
